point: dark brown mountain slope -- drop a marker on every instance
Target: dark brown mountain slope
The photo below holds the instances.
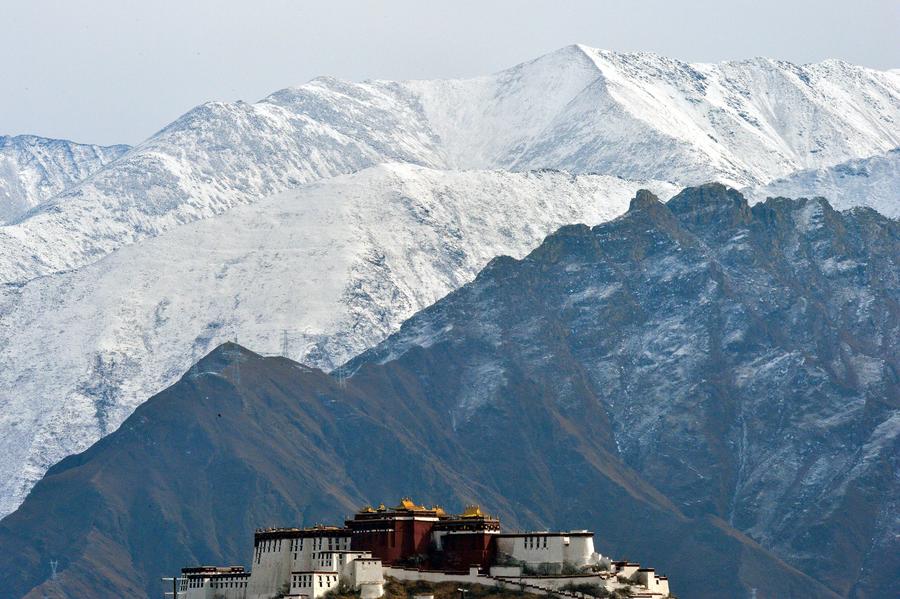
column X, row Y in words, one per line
column 244, row 441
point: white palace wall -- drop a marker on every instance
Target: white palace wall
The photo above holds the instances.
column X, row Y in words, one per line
column 274, row 561
column 271, row 569
column 576, row 548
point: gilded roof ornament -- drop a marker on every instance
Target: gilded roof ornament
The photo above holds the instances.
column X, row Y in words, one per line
column 406, row 503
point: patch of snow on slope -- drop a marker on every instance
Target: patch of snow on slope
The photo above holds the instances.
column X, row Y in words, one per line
column 338, row 264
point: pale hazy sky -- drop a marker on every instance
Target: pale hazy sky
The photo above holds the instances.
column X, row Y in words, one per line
column 115, row 71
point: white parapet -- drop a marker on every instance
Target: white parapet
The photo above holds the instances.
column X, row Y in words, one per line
column 371, row 590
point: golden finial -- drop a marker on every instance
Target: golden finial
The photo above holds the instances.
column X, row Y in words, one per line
column 406, row 503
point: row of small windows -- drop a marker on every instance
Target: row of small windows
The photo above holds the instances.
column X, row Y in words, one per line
column 535, row 542
column 318, row 544
column 199, row 583
column 306, row 580
column 229, row 585
column 267, row 546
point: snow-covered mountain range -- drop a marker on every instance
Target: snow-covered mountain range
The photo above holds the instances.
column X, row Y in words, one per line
column 872, row 182
column 246, row 220
column 331, row 269
column 637, row 116
column 34, row 169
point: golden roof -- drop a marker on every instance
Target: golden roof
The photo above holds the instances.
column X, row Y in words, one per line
column 439, row 510
column 368, row 509
column 408, row 504
column 472, row 511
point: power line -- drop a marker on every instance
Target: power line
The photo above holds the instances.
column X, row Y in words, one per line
column 341, row 376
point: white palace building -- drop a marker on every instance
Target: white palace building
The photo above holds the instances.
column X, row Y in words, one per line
column 411, row 542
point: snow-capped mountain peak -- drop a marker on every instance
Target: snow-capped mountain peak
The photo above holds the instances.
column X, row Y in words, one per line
column 638, row 116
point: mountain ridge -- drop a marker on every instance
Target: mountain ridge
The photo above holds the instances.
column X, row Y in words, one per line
column 34, row 169
column 643, row 117
column 673, row 344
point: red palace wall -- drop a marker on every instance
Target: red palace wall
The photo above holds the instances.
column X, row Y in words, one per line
column 464, row 550
column 403, row 536
column 392, row 541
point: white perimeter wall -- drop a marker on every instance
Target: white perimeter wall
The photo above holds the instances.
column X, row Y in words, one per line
column 532, row 584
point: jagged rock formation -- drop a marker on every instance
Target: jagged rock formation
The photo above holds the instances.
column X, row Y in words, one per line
column 34, row 169
column 745, row 357
column 243, row 441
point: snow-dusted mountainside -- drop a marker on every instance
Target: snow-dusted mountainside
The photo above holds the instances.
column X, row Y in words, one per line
column 33, row 169
column 579, row 109
column 746, row 358
column 338, row 264
column 873, row 182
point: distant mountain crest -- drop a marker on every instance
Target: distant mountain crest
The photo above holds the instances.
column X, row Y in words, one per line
column 873, row 181
column 34, row 169
column 636, row 116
